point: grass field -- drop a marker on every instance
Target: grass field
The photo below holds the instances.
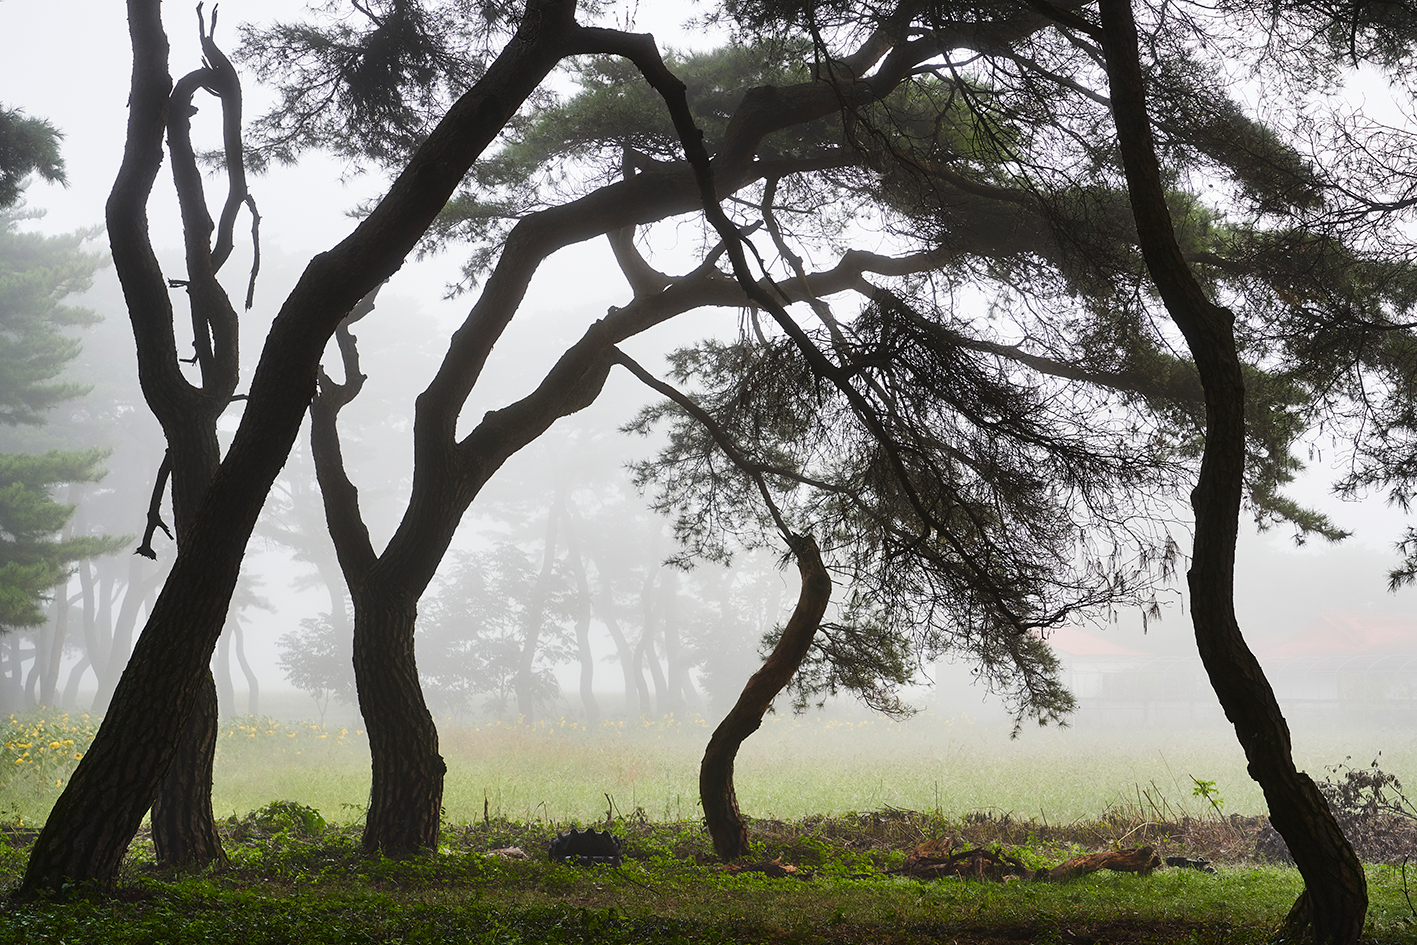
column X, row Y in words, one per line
column 559, row 771
column 290, row 882
column 800, row 778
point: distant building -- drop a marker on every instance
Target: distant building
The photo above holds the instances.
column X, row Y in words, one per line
column 1341, row 668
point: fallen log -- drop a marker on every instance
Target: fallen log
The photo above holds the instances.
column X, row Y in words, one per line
column 938, row 858
column 1140, row 860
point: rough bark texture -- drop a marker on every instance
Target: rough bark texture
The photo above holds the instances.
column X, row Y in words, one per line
column 88, row 831
column 406, row 793
column 184, row 830
column 724, row 820
column 1335, row 898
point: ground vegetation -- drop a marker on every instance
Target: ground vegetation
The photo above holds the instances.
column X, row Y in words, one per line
column 819, row 879
column 937, row 163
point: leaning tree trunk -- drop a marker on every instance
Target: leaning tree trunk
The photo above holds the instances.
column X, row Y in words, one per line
column 406, row 793
column 1335, row 898
column 725, row 821
column 97, row 815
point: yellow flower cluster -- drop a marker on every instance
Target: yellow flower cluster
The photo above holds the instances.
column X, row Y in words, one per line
column 44, row 746
column 252, row 732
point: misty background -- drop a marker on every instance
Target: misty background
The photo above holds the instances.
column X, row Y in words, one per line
column 1341, row 649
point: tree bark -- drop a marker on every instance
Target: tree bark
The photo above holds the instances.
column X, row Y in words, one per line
column 406, row 793
column 184, row 829
column 725, row 821
column 88, row 831
column 1335, row 899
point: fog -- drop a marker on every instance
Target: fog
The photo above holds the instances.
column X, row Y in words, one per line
column 1341, row 648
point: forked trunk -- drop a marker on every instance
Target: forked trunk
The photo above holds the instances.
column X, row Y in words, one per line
column 406, row 795
column 725, row 821
column 94, row 819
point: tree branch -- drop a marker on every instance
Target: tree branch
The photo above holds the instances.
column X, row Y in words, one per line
column 155, row 521
column 720, row 436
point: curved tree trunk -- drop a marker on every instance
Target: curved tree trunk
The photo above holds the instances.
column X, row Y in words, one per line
column 49, row 684
column 1335, row 898
column 101, row 808
column 253, row 685
column 225, row 691
column 70, row 699
column 406, row 793
column 725, row 821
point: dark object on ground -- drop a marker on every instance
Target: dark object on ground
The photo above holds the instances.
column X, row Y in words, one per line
column 937, row 858
column 586, row 849
column 1194, row 863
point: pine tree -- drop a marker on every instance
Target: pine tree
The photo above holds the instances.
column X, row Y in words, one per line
column 32, row 560
column 37, row 273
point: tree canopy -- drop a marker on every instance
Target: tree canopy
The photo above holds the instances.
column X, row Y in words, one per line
column 27, row 146
column 1079, row 271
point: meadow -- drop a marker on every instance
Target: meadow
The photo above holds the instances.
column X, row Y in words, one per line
column 560, row 771
column 842, row 798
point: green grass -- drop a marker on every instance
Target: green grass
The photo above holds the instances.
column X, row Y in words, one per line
column 321, row 889
column 793, row 767
column 799, row 779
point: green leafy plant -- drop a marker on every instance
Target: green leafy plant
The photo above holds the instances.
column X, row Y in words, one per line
column 1206, row 789
column 278, row 819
